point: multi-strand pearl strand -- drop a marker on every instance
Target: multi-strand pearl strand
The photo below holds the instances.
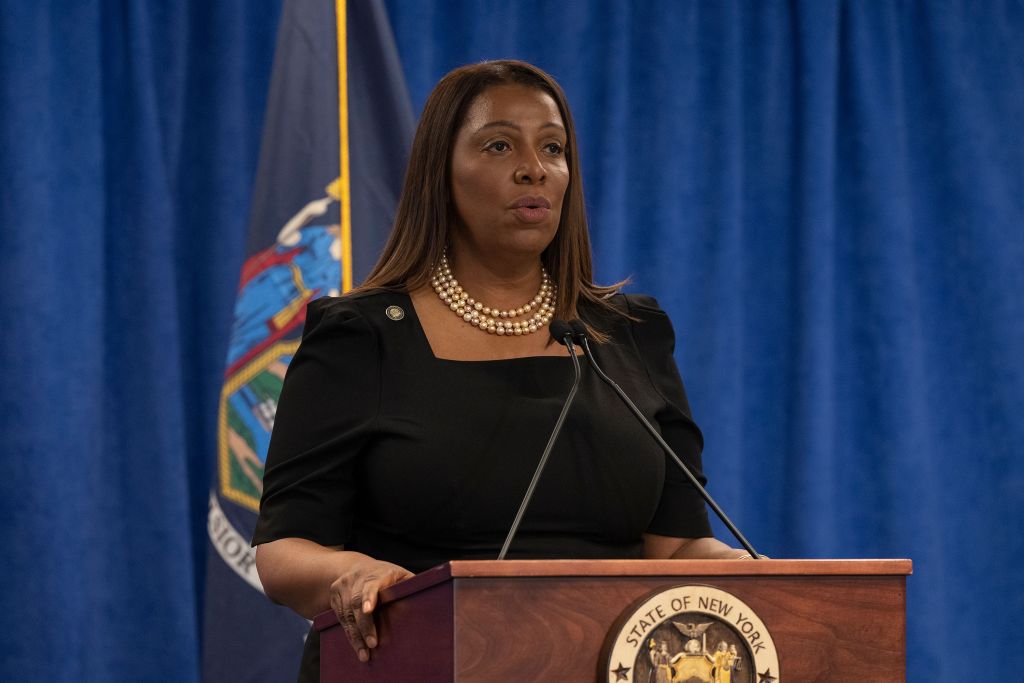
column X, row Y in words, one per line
column 495, row 320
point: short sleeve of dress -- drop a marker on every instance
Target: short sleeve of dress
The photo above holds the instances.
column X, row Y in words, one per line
column 326, row 410
column 681, row 512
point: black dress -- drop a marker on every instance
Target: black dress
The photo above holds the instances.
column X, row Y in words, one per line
column 383, row 448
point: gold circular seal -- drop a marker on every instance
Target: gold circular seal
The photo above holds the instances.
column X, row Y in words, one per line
column 692, row 633
column 394, row 312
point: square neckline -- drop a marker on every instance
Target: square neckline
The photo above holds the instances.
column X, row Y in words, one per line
column 425, row 342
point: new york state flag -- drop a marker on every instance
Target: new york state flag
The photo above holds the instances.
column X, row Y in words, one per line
column 335, row 141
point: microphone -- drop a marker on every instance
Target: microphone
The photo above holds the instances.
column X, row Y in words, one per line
column 563, row 334
column 579, row 332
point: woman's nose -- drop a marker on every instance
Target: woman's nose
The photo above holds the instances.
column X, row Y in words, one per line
column 530, row 170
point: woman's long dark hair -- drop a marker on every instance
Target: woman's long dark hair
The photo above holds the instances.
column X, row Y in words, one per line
column 426, row 212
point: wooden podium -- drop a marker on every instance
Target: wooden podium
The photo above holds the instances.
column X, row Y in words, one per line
column 555, row 620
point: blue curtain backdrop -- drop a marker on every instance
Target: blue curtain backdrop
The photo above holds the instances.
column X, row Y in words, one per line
column 129, row 135
column 827, row 196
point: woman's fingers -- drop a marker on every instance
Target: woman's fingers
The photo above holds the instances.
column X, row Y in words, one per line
column 341, row 603
column 363, row 602
column 370, row 599
column 354, row 597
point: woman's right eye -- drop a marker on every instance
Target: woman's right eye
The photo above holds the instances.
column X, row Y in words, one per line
column 499, row 146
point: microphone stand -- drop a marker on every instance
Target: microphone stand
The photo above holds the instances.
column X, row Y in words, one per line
column 565, row 340
column 580, row 332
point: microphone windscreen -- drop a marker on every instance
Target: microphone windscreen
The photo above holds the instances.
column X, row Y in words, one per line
column 579, row 330
column 560, row 330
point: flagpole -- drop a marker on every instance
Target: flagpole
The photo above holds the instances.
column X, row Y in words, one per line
column 343, row 172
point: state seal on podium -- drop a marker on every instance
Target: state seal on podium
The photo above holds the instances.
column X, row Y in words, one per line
column 691, row 634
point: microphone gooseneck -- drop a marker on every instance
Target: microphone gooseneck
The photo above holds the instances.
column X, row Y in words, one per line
column 579, row 332
column 563, row 334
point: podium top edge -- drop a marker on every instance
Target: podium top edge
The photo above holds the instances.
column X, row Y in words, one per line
column 766, row 567
column 475, row 569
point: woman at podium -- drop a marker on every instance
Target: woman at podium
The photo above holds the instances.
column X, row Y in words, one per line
column 416, row 408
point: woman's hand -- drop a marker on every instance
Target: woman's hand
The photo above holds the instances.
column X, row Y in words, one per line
column 353, row 598
column 311, row 578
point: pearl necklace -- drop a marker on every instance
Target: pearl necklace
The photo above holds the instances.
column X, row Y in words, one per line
column 494, row 320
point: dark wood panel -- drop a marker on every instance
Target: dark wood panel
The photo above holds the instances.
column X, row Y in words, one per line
column 835, row 629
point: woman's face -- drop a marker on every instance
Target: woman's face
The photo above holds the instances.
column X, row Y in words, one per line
column 509, row 171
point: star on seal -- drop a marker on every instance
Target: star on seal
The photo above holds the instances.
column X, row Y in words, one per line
column 766, row 677
column 620, row 673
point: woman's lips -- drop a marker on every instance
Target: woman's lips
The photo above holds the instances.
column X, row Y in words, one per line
column 536, row 214
column 531, row 208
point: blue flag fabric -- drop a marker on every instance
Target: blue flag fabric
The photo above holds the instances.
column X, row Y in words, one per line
column 324, row 198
